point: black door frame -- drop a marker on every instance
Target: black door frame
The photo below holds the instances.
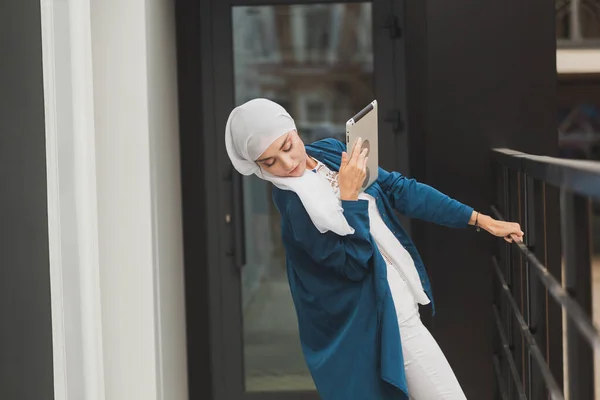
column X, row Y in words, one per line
column 210, row 185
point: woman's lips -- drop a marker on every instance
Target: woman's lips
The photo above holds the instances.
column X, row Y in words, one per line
column 292, row 172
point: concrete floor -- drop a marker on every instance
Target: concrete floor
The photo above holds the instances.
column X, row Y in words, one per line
column 273, row 356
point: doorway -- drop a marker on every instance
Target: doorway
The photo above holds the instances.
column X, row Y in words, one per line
column 323, row 62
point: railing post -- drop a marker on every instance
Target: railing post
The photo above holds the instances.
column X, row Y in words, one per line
column 526, row 217
column 516, row 278
column 575, row 214
column 538, row 296
column 552, row 259
column 499, row 359
column 509, row 196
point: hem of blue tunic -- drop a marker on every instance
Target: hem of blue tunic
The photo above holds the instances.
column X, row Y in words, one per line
column 396, row 384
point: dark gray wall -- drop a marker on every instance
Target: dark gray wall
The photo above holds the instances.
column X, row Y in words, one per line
column 481, row 74
column 25, row 319
column 193, row 36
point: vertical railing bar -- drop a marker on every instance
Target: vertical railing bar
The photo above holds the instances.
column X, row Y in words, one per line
column 508, row 268
column 519, row 278
column 527, row 306
column 555, row 392
column 499, row 380
column 500, row 192
column 514, row 373
column 537, row 293
column 553, row 263
column 576, row 244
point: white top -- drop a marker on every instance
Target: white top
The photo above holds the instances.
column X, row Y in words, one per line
column 398, row 259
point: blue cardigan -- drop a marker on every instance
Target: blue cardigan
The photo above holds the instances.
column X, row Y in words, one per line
column 346, row 316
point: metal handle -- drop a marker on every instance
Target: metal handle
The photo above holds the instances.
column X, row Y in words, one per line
column 237, row 219
column 395, row 118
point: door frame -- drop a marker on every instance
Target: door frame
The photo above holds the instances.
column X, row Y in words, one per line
column 210, row 185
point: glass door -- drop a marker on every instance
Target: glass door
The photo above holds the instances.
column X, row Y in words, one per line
column 323, row 62
column 317, row 61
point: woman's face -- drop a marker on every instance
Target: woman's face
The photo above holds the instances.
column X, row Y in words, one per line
column 285, row 157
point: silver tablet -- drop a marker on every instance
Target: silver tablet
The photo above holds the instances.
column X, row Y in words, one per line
column 364, row 125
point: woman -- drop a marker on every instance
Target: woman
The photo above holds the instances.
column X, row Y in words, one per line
column 355, row 276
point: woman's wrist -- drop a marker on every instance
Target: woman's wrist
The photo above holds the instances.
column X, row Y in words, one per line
column 481, row 220
column 508, row 230
column 485, row 222
column 345, row 196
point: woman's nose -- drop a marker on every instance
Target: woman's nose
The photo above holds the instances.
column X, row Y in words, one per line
column 287, row 162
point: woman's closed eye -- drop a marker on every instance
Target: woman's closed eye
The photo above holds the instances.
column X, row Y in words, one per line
column 286, row 148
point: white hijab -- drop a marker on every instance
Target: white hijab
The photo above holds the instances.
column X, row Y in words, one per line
column 250, row 130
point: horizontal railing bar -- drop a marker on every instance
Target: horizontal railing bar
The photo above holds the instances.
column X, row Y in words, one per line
column 571, row 307
column 509, row 158
column 509, row 357
column 534, row 350
column 580, row 176
column 498, row 373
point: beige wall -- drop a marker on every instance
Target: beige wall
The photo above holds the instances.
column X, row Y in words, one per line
column 569, row 61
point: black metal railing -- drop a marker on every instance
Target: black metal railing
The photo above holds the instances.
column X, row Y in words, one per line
column 545, row 340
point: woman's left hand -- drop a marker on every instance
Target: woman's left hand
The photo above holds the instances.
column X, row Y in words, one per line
column 503, row 229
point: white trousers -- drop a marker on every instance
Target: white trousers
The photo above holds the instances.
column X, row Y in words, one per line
column 428, row 373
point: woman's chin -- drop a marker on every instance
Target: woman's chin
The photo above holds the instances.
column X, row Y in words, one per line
column 296, row 172
column 300, row 170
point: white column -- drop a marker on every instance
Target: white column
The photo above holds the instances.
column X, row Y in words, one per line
column 71, row 172
column 114, row 199
column 124, row 199
column 167, row 240
column 139, row 208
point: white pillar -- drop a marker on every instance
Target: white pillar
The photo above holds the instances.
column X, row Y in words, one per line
column 139, row 205
column 114, row 200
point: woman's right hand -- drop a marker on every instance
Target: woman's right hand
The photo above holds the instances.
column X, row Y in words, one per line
column 353, row 171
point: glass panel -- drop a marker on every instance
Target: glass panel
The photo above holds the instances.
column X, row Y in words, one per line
column 317, row 61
